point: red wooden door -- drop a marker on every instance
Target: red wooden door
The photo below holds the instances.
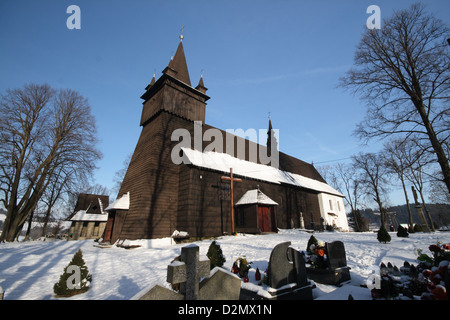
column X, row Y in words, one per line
column 264, row 219
column 109, row 227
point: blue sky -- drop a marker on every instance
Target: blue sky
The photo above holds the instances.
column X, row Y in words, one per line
column 257, row 56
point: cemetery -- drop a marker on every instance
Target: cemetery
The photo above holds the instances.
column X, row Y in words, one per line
column 281, row 266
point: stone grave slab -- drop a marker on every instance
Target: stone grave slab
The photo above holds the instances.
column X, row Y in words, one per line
column 188, row 271
column 160, row 293
column 287, row 276
column 221, row 285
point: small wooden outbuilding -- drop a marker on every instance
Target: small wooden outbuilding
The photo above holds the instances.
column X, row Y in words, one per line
column 89, row 217
column 255, row 213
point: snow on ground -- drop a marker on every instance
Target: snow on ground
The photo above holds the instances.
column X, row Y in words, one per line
column 28, row 270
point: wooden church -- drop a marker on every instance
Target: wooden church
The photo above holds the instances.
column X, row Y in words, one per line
column 158, row 197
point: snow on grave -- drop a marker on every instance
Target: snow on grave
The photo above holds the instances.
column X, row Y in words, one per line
column 188, row 271
column 287, row 276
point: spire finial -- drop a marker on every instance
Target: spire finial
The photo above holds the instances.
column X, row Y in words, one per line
column 181, row 33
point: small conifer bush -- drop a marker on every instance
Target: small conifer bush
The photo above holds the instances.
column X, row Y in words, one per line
column 75, row 278
column 215, row 255
column 312, row 241
column 402, row 232
column 383, row 235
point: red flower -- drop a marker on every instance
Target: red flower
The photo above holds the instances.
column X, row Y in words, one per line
column 434, row 248
column 319, row 252
column 235, row 269
column 426, row 273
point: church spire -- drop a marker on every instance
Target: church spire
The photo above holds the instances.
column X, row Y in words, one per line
column 151, row 83
column 201, row 86
column 177, row 67
column 271, row 139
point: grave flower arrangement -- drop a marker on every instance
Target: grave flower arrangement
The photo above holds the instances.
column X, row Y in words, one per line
column 316, row 253
column 425, row 281
column 241, row 267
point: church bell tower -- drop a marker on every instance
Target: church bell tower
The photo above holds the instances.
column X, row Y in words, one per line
column 174, row 93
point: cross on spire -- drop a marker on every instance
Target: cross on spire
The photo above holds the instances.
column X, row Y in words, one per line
column 181, row 33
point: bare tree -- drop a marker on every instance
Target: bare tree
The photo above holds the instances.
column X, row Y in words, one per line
column 395, row 153
column 402, row 71
column 350, row 182
column 41, row 131
column 373, row 178
column 438, row 191
column 345, row 178
column 120, row 174
column 416, row 163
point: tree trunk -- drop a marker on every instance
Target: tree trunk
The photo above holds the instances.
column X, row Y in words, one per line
column 30, row 220
column 47, row 216
column 411, row 223
column 437, row 146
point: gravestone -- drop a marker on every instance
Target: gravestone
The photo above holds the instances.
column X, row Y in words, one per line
column 188, row 271
column 336, row 270
column 281, row 269
column 219, row 284
column 336, row 254
column 287, row 274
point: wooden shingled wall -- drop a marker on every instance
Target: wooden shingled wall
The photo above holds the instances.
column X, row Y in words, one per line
column 166, row 197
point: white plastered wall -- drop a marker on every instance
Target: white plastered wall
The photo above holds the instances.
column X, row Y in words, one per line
column 332, row 210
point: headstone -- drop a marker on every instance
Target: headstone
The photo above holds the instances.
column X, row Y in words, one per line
column 219, row 284
column 287, row 273
column 188, row 271
column 160, row 293
column 281, row 270
column 336, row 254
column 336, row 270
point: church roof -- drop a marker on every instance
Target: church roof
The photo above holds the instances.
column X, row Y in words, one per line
column 223, row 162
column 82, row 215
column 122, row 203
column 255, row 197
column 89, row 204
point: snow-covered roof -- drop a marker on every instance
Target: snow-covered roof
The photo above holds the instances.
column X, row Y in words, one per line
column 122, row 203
column 223, row 162
column 255, row 196
column 81, row 215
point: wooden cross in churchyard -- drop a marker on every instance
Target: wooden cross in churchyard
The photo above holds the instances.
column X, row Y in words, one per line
column 231, row 179
column 423, row 222
column 188, row 271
